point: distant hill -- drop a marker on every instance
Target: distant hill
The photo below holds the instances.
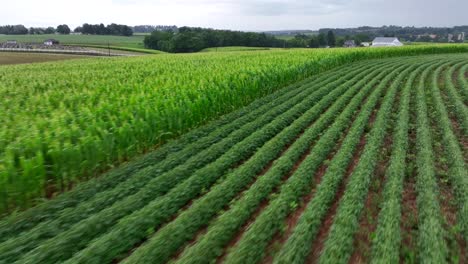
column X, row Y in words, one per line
column 432, row 34
column 396, row 30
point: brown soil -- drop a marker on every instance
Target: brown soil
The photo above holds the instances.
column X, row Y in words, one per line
column 202, row 231
column 241, row 232
column 368, row 221
column 291, row 221
column 456, row 244
column 50, row 191
column 409, row 208
column 450, row 109
column 319, row 242
column 327, row 222
column 266, row 202
column 409, row 219
column 293, row 218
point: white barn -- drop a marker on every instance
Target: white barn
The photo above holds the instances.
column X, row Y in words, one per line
column 386, row 42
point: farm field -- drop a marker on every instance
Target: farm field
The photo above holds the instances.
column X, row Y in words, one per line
column 8, row 58
column 235, row 48
column 362, row 163
column 135, row 41
column 70, row 121
column 137, row 51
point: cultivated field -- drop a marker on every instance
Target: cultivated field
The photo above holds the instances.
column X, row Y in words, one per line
column 235, row 48
column 364, row 163
column 8, row 58
column 135, row 41
column 135, row 51
column 69, row 121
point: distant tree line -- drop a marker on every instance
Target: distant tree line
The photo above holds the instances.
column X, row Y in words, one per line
column 435, row 34
column 61, row 29
column 321, row 40
column 22, row 30
column 98, row 29
column 150, row 28
column 189, row 39
column 41, row 31
column 101, row 29
column 13, row 30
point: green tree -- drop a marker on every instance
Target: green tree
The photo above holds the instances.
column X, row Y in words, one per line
column 158, row 40
column 322, row 40
column 314, row 42
column 340, row 41
column 49, row 30
column 63, row 29
column 331, row 40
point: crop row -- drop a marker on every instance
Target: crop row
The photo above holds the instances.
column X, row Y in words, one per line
column 386, row 243
column 68, row 121
column 298, row 246
column 229, row 190
column 431, row 244
column 460, row 109
column 210, row 245
column 339, row 244
column 457, row 169
column 172, row 154
column 253, row 243
column 195, row 155
column 160, row 247
column 99, row 249
column 463, row 83
column 133, row 224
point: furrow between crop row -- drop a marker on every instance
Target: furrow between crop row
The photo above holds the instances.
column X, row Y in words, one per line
column 457, row 170
column 76, row 238
column 386, row 243
column 252, row 245
column 339, row 243
column 455, row 100
column 431, row 244
column 297, row 247
column 190, row 143
column 160, row 248
column 463, row 83
column 67, row 218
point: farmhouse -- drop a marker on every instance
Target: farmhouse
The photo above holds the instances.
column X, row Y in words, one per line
column 50, row 42
column 11, row 42
column 386, row 42
column 349, row 44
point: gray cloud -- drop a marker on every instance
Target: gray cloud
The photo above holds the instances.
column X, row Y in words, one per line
column 276, row 8
column 239, row 14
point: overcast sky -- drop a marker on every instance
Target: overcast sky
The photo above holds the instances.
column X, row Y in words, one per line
column 237, row 14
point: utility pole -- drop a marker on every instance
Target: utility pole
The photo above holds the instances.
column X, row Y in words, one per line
column 108, row 48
